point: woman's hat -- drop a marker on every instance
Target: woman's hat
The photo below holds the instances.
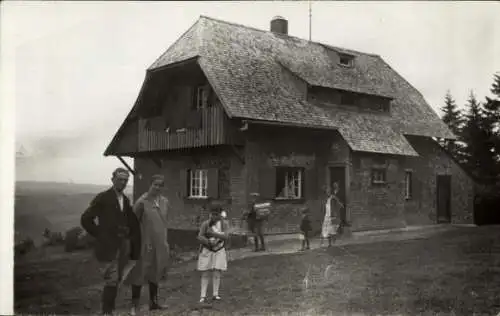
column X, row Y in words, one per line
column 215, row 209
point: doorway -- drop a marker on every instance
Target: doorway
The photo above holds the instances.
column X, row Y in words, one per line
column 443, row 192
column 337, row 174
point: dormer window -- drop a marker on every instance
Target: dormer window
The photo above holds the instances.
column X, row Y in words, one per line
column 346, row 60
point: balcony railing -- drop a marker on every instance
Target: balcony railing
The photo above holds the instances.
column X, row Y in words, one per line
column 210, row 128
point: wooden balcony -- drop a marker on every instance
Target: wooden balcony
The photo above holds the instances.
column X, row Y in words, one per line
column 213, row 130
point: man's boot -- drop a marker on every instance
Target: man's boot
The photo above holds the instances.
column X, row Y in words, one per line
column 136, row 297
column 108, row 299
column 153, row 297
column 262, row 244
column 256, row 243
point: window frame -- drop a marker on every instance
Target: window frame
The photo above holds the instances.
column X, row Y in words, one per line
column 408, row 184
column 378, row 170
column 348, row 58
column 201, row 97
column 299, row 180
column 196, row 191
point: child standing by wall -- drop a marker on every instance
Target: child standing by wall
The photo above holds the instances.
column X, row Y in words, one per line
column 305, row 228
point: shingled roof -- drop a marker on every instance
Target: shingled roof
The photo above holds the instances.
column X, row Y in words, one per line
column 250, row 71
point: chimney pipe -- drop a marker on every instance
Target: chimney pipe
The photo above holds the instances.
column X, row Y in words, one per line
column 279, row 25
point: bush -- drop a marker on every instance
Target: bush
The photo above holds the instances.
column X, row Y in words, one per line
column 71, row 239
column 86, row 241
column 487, row 205
column 76, row 239
column 24, row 246
column 52, row 238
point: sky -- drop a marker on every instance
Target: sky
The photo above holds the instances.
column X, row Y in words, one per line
column 72, row 70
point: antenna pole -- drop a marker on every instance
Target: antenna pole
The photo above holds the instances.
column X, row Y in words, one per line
column 310, row 18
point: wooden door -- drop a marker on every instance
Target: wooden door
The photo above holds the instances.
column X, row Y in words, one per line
column 443, row 189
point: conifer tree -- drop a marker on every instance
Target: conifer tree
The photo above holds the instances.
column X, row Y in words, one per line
column 478, row 157
column 492, row 119
column 452, row 116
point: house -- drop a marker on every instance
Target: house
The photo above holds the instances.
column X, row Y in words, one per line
column 228, row 110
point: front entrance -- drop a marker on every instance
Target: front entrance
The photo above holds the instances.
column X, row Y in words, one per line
column 337, row 174
column 443, row 188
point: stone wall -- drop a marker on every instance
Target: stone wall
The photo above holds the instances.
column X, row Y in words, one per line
column 376, row 206
column 268, row 148
column 186, row 213
column 369, row 205
column 434, row 161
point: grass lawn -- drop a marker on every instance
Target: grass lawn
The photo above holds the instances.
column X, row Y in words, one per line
column 454, row 272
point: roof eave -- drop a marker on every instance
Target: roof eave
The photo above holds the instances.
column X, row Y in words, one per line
column 108, row 151
column 287, row 124
column 176, row 64
column 215, row 88
column 413, row 154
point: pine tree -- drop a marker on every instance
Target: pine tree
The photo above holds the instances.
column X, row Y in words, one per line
column 495, row 89
column 492, row 120
column 452, row 116
column 477, row 153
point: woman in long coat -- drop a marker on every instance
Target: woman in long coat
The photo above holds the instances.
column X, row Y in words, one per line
column 151, row 210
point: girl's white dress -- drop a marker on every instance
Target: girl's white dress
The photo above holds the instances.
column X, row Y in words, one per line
column 209, row 260
column 328, row 229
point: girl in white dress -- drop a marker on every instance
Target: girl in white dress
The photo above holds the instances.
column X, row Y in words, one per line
column 212, row 256
column 331, row 206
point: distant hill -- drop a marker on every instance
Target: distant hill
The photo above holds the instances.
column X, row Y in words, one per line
column 53, row 205
column 24, row 187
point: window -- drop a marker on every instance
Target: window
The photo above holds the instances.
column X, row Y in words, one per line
column 198, row 183
column 346, row 60
column 378, row 175
column 408, row 185
column 347, row 98
column 289, row 183
column 201, row 97
column 323, row 95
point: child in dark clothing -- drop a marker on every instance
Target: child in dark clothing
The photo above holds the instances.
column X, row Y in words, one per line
column 305, row 228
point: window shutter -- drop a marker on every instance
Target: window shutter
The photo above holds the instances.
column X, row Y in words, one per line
column 205, row 96
column 412, row 180
column 309, row 183
column 184, row 182
column 267, row 183
column 213, row 183
column 193, row 97
column 211, row 97
column 416, row 187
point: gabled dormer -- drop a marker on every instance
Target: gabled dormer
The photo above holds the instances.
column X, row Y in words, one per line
column 346, row 60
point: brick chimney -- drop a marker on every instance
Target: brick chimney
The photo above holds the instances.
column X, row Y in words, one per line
column 279, row 25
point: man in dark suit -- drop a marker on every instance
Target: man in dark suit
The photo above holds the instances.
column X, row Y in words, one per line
column 117, row 235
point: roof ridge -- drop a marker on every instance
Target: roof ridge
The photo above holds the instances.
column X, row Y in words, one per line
column 173, row 44
column 287, row 35
column 337, row 48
